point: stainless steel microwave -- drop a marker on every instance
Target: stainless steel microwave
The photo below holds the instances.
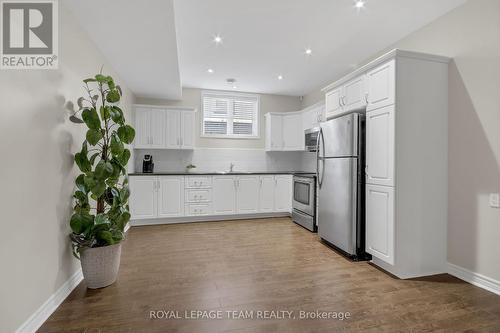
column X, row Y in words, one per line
column 311, row 138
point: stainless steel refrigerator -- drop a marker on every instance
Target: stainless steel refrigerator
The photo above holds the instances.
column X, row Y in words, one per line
column 340, row 173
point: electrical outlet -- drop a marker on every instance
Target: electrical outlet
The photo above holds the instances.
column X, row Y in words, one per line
column 495, row 200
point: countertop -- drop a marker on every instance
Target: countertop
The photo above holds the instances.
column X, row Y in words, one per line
column 219, row 173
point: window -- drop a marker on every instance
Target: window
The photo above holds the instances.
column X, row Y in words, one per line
column 227, row 115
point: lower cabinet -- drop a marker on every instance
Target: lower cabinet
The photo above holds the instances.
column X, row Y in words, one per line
column 283, row 193
column 224, row 195
column 182, row 196
column 380, row 222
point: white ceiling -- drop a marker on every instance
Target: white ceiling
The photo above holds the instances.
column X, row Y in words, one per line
column 265, row 38
column 138, row 39
column 155, row 53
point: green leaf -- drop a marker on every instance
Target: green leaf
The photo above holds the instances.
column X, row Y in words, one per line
column 126, row 133
column 124, row 193
column 81, row 196
column 80, row 184
column 113, row 96
column 101, row 219
column 89, row 80
column 93, row 157
column 101, row 78
column 105, row 112
column 98, row 189
column 82, row 161
column 94, row 136
column 116, row 145
column 117, row 115
column 79, row 222
column 106, row 237
column 111, row 83
column 122, row 220
column 124, row 157
column 89, row 180
column 103, row 169
column 91, row 118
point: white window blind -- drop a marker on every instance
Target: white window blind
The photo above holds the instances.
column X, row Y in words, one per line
column 226, row 115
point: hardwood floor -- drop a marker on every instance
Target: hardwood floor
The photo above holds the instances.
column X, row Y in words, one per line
column 264, row 265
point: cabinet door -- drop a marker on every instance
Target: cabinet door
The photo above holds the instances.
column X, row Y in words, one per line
column 380, row 146
column 142, row 127
column 381, row 85
column 293, row 135
column 333, row 103
column 274, row 132
column 309, row 119
column 283, row 193
column 187, row 130
column 321, row 114
column 170, row 196
column 224, row 195
column 143, row 197
column 380, row 222
column 266, row 194
column 157, row 128
column 355, row 94
column 247, row 197
column 173, row 130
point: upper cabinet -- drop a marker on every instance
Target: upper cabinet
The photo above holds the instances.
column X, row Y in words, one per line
column 381, row 85
column 350, row 96
column 164, row 128
column 313, row 116
column 284, row 131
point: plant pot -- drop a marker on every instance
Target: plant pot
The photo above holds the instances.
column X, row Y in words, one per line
column 100, row 265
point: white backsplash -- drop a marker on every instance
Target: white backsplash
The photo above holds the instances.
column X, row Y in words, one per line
column 219, row 159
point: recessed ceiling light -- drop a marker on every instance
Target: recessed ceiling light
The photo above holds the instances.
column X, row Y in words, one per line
column 280, row 77
column 309, row 51
column 359, row 4
column 235, row 87
column 218, row 39
column 210, row 71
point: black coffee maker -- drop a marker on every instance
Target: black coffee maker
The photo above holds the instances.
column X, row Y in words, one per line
column 147, row 164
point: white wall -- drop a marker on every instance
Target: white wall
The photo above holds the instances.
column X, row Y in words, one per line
column 37, row 176
column 268, row 103
column 470, row 35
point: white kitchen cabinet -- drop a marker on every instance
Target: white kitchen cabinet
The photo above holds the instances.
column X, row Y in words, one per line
column 150, row 124
column 164, row 128
column 283, row 193
column 247, row 194
column 293, row 135
column 333, row 102
column 266, row 194
column 170, row 196
column 173, row 130
column 187, row 129
column 380, row 222
column 143, row 197
column 381, row 83
column 380, row 146
column 274, row 132
column 224, row 195
column 355, row 94
column 180, row 129
column 313, row 116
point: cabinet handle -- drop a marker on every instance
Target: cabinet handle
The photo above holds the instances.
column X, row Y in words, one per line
column 340, row 101
column 261, row 182
column 366, row 98
column 343, row 100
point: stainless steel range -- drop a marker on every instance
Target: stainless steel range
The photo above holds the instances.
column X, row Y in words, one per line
column 304, row 201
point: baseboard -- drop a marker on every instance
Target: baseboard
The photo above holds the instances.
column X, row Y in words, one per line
column 474, row 278
column 212, row 218
column 43, row 313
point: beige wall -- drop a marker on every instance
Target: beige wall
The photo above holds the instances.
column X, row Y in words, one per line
column 268, row 103
column 470, row 35
column 37, row 174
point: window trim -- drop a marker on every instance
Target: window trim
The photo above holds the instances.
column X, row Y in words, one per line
column 221, row 93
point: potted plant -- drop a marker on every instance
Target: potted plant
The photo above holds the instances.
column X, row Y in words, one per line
column 101, row 209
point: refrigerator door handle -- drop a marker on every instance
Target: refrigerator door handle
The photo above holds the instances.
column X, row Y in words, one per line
column 318, row 158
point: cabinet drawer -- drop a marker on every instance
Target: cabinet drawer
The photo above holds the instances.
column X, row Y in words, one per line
column 198, row 209
column 198, row 182
column 203, row 195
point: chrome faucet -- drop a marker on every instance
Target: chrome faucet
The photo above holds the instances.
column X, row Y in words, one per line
column 231, row 166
